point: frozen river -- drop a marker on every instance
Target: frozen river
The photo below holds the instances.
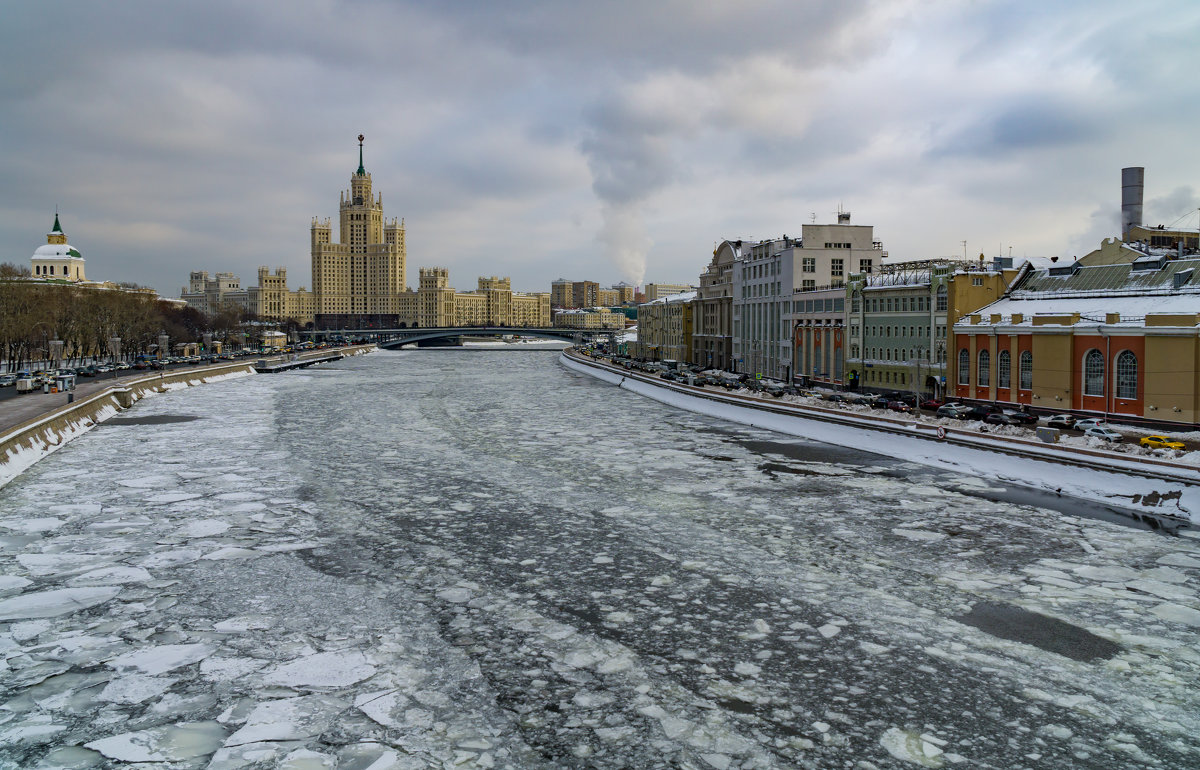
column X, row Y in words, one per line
column 479, row 559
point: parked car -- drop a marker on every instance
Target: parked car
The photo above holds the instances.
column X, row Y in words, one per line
column 1020, row 417
column 1161, row 442
column 1090, row 422
column 957, row 411
column 1106, row 434
column 1061, row 421
column 981, row 412
column 7, row 380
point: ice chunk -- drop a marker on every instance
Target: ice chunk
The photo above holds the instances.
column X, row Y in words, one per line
column 829, row 630
column 172, row 743
column 162, row 658
column 304, row 759
column 49, row 564
column 111, row 576
column 911, row 747
column 232, row 552
column 32, row 526
column 1177, row 613
column 9, row 583
column 49, row 604
column 383, row 707
column 289, row 719
column 171, row 558
column 919, row 534
column 325, row 669
column 1179, row 560
column 203, row 528
column 134, row 688
column 228, row 669
column 455, row 595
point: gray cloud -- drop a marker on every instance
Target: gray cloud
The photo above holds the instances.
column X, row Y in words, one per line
column 604, row 141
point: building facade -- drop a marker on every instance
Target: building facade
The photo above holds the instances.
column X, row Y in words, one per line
column 589, row 318
column 772, row 278
column 712, row 310
column 665, row 328
column 357, row 281
column 818, row 319
column 211, row 295
column 899, row 318
column 1116, row 333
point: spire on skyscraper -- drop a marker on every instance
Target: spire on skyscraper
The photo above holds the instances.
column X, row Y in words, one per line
column 361, row 171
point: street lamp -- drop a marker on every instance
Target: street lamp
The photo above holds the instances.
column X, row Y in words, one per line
column 114, row 347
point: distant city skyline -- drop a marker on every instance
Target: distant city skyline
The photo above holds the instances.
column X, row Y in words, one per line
column 609, row 143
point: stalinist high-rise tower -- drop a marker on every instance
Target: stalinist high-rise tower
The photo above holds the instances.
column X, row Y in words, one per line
column 358, row 281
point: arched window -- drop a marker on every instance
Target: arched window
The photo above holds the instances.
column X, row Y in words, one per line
column 964, row 367
column 1093, row 373
column 1003, row 370
column 941, row 297
column 1127, row 374
column 1026, row 365
column 984, row 375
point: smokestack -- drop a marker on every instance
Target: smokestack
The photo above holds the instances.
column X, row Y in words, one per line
column 1132, row 181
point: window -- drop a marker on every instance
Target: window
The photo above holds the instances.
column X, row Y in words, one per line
column 1026, row 366
column 941, row 297
column 808, row 264
column 1003, row 370
column 864, row 265
column 1093, row 373
column 977, row 282
column 1126, row 375
column 983, row 376
column 837, row 266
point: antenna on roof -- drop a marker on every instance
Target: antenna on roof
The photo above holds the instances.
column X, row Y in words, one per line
column 813, row 216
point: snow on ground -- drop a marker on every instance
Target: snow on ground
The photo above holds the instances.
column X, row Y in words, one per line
column 508, row 565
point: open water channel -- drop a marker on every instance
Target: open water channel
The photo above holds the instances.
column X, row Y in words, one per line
column 480, row 559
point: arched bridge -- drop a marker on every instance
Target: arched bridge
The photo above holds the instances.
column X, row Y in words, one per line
column 396, row 338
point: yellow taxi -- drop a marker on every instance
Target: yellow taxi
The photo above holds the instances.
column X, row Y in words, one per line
column 1160, row 442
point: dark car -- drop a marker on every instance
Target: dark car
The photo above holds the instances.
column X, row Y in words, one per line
column 880, row 402
column 999, row 418
column 957, row 411
column 981, row 412
column 1020, row 417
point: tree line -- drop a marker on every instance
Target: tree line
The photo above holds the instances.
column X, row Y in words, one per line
column 33, row 313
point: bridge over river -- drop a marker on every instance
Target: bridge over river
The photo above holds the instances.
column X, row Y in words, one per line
column 396, row 338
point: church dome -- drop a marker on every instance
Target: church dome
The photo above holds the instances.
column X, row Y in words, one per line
column 52, row 250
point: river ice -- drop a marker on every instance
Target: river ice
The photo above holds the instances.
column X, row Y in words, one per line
column 445, row 559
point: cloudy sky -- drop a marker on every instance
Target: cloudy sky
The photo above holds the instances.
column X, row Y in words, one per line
column 601, row 140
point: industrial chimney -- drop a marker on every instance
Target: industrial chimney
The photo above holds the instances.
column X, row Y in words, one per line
column 1132, row 181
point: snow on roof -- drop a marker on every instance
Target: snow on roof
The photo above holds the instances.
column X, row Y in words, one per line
column 686, row 296
column 1093, row 310
column 56, row 250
